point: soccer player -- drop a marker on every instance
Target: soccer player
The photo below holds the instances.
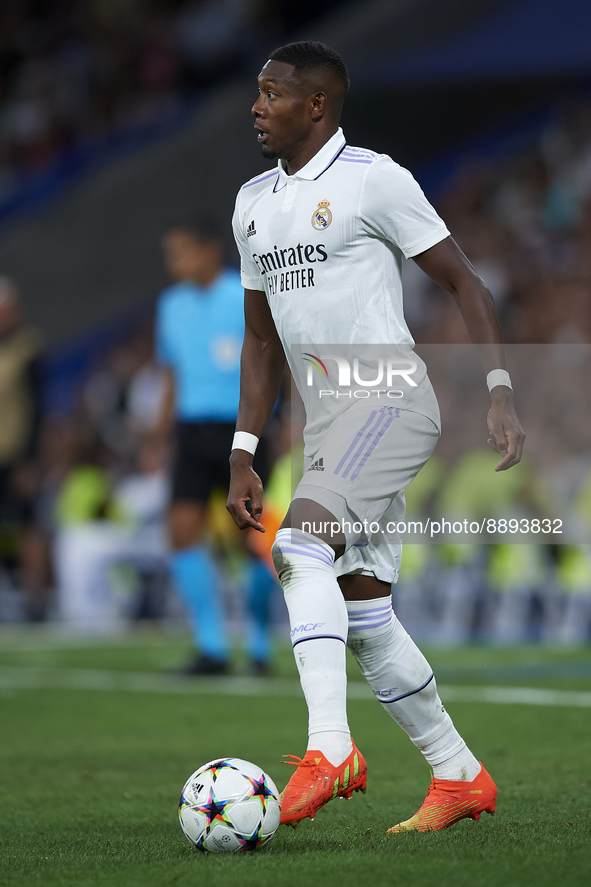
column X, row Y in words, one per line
column 199, row 333
column 322, row 239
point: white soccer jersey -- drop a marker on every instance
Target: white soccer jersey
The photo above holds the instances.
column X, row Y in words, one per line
column 326, row 245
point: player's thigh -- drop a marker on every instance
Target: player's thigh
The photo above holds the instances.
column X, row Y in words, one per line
column 366, row 459
column 194, row 475
column 201, row 460
column 311, row 517
column 360, row 587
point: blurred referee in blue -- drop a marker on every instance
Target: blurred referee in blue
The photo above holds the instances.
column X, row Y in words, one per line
column 199, row 333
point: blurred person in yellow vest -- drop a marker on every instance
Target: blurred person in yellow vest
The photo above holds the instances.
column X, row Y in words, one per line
column 573, row 573
column 23, row 549
column 516, row 574
column 412, row 593
column 472, row 569
column 107, row 532
column 20, row 351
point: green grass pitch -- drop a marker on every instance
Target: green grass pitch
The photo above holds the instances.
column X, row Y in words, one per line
column 95, row 747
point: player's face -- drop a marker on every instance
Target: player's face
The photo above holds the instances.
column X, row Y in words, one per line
column 282, row 112
column 186, row 258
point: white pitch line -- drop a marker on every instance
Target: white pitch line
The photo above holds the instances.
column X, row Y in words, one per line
column 515, row 696
column 31, row 678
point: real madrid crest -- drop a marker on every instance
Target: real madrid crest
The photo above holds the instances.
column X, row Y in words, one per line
column 322, row 216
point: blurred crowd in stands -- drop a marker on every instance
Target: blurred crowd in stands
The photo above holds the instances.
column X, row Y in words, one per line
column 523, row 220
column 525, row 223
column 73, row 71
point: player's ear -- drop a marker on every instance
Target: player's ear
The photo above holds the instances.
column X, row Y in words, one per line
column 317, row 105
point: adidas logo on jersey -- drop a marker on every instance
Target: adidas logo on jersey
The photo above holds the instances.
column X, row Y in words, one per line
column 318, row 465
column 251, row 229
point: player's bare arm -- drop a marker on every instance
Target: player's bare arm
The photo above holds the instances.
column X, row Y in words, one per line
column 261, row 368
column 447, row 265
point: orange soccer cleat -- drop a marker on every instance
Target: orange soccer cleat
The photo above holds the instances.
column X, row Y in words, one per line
column 448, row 801
column 316, row 782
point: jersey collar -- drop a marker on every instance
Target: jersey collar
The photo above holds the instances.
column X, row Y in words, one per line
column 317, row 165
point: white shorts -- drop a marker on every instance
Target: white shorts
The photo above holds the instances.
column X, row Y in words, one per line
column 368, row 456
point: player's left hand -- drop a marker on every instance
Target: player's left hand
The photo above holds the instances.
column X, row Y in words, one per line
column 506, row 434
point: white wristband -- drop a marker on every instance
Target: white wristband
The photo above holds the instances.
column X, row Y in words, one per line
column 245, row 441
column 498, row 377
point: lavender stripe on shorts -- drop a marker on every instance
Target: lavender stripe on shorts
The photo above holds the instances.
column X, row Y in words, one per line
column 354, row 442
column 372, row 446
column 360, row 450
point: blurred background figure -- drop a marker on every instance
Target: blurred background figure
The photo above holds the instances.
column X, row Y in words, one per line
column 23, row 547
column 110, row 540
column 199, row 332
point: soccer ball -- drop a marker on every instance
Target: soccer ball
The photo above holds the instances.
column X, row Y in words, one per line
column 229, row 805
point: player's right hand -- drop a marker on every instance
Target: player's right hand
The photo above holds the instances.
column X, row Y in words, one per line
column 245, row 487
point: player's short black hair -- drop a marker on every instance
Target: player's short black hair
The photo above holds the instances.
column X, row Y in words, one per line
column 311, row 57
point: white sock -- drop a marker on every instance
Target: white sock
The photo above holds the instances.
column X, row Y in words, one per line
column 403, row 682
column 318, row 619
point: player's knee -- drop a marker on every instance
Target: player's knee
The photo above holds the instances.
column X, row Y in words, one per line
column 281, row 555
column 293, row 549
column 184, row 527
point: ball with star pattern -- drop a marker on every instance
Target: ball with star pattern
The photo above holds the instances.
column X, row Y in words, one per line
column 228, row 806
